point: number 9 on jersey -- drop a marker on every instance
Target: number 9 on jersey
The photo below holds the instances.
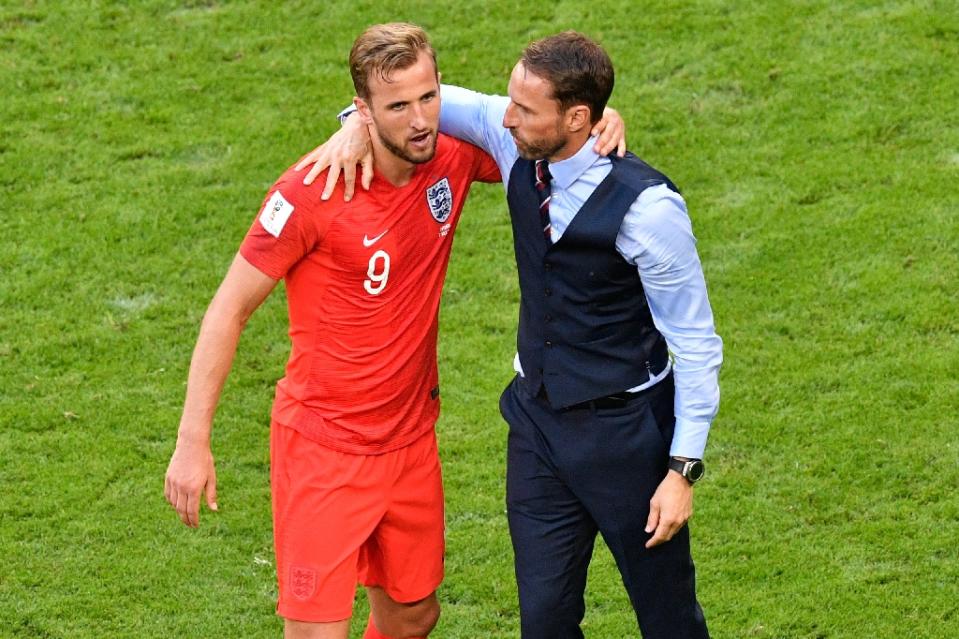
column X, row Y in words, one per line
column 378, row 274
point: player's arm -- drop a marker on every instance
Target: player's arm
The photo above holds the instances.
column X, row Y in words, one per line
column 191, row 471
column 474, row 117
column 477, row 118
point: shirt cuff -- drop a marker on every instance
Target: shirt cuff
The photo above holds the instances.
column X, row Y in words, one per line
column 345, row 113
column 689, row 439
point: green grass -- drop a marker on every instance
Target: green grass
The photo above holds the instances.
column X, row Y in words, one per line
column 816, row 143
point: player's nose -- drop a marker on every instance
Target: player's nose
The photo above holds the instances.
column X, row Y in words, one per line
column 418, row 121
column 509, row 116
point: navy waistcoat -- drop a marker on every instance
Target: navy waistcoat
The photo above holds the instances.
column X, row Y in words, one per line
column 585, row 330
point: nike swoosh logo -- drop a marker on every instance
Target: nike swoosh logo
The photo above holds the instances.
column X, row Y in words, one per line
column 367, row 242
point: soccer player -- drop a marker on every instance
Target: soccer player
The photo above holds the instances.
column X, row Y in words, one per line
column 355, row 477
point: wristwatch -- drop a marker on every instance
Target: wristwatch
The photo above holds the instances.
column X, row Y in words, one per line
column 692, row 469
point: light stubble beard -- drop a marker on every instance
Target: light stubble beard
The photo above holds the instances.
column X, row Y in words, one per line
column 403, row 154
column 542, row 148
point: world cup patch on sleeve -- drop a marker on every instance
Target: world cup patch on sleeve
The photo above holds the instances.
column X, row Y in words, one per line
column 440, row 198
column 275, row 213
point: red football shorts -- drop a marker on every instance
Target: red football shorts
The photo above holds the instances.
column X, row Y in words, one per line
column 342, row 519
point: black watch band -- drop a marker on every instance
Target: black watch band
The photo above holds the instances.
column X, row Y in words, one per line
column 692, row 469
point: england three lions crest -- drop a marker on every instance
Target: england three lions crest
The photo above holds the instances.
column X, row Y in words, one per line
column 440, row 198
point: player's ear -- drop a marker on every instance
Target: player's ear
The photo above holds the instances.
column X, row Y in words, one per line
column 577, row 117
column 363, row 108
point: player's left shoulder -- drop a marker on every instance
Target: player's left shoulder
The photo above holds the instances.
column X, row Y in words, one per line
column 446, row 147
column 454, row 160
column 452, row 152
column 291, row 183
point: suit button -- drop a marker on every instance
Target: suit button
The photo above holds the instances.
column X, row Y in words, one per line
column 548, row 318
column 549, row 292
column 548, row 266
column 549, row 344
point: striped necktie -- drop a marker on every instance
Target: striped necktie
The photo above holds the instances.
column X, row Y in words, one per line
column 543, row 179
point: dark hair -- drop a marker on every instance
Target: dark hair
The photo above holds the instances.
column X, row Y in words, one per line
column 385, row 48
column 578, row 69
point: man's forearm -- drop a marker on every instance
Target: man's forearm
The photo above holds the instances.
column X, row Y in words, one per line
column 212, row 359
column 242, row 291
column 657, row 236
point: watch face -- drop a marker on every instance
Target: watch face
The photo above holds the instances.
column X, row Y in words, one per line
column 695, row 470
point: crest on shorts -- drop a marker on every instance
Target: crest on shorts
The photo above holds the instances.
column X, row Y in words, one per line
column 440, row 198
column 302, row 582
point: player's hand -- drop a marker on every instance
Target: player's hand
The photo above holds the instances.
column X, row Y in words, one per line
column 342, row 152
column 190, row 474
column 612, row 133
column 669, row 509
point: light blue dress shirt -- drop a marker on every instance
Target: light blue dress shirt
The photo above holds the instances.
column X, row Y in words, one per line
column 656, row 237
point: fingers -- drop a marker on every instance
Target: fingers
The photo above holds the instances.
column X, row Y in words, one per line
column 192, row 510
column 611, row 133
column 308, row 159
column 191, row 473
column 180, row 502
column 665, row 529
column 176, row 498
column 211, row 493
column 309, row 177
column 186, row 501
column 349, row 180
column 331, row 179
column 612, row 138
column 318, row 157
column 669, row 509
column 597, row 131
column 608, row 140
column 367, row 171
column 603, row 141
column 321, row 161
column 663, row 533
column 653, row 520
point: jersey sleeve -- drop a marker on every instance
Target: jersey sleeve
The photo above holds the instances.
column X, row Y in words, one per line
column 484, row 167
column 285, row 230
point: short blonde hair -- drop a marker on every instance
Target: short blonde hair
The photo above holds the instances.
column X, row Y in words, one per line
column 385, row 48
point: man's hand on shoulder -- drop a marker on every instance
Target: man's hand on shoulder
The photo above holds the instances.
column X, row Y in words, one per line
column 612, row 133
column 347, row 148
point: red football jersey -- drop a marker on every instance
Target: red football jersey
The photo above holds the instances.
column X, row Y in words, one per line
column 363, row 284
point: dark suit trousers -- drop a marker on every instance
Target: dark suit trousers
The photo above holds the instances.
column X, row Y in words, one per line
column 573, row 473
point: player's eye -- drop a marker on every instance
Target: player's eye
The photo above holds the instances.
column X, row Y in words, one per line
column 519, row 108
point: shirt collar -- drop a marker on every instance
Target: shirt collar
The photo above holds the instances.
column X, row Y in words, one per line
column 567, row 171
